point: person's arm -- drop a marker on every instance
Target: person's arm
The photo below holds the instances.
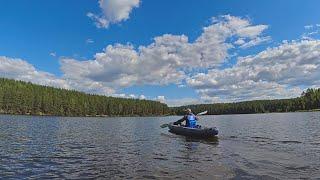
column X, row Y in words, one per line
column 180, row 121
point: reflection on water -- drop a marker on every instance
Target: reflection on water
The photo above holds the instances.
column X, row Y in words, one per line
column 260, row 146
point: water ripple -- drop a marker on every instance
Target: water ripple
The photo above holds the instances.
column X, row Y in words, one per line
column 265, row 146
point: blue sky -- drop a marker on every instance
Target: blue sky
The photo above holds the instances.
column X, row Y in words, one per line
column 55, row 37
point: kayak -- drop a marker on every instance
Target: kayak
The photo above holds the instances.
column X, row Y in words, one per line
column 201, row 132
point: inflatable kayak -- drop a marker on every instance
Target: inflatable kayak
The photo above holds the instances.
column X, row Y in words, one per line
column 201, row 132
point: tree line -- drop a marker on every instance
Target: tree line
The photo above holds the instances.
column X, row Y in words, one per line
column 308, row 100
column 18, row 97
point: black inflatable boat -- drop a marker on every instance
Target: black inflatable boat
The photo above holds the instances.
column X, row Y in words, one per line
column 200, row 132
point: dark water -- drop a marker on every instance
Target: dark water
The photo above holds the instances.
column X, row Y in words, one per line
column 261, row 146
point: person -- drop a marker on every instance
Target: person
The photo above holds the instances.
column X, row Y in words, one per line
column 190, row 118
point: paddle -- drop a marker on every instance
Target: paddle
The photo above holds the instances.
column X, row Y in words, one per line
column 202, row 113
column 199, row 114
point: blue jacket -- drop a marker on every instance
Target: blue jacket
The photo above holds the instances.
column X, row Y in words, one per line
column 191, row 120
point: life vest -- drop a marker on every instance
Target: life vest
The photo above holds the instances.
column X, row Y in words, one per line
column 191, row 121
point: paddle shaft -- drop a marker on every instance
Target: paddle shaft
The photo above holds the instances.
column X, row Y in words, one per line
column 199, row 114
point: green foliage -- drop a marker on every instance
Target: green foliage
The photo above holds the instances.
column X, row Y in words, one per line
column 309, row 100
column 18, row 97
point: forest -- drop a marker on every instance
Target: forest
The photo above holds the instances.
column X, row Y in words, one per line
column 18, row 97
column 309, row 100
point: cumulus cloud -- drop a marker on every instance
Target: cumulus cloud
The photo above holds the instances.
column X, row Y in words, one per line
column 168, row 59
column 121, row 66
column 277, row 72
column 113, row 11
column 21, row 70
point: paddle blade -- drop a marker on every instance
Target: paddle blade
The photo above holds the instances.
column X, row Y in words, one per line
column 202, row 113
column 164, row 125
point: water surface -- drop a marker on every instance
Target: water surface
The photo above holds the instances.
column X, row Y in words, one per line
column 257, row 146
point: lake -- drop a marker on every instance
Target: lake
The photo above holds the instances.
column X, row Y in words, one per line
column 254, row 146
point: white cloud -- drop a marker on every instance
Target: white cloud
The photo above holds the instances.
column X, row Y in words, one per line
column 277, row 72
column 311, row 31
column 182, row 101
column 240, row 41
column 113, row 11
column 89, row 41
column 248, row 90
column 132, row 96
column 53, row 54
column 174, row 59
column 169, row 59
column 251, row 31
column 129, row 96
column 308, row 26
column 142, row 96
column 273, row 73
column 254, row 42
column 121, row 66
column 161, row 99
column 21, row 70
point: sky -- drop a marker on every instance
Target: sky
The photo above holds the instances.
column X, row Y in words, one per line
column 177, row 52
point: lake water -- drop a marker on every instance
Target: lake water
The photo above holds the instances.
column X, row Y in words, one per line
column 257, row 146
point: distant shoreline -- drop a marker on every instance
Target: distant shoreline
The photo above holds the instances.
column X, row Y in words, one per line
column 108, row 116
column 98, row 116
column 312, row 110
column 23, row 98
column 19, row 97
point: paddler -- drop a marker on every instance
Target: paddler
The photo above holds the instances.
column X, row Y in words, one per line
column 190, row 118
